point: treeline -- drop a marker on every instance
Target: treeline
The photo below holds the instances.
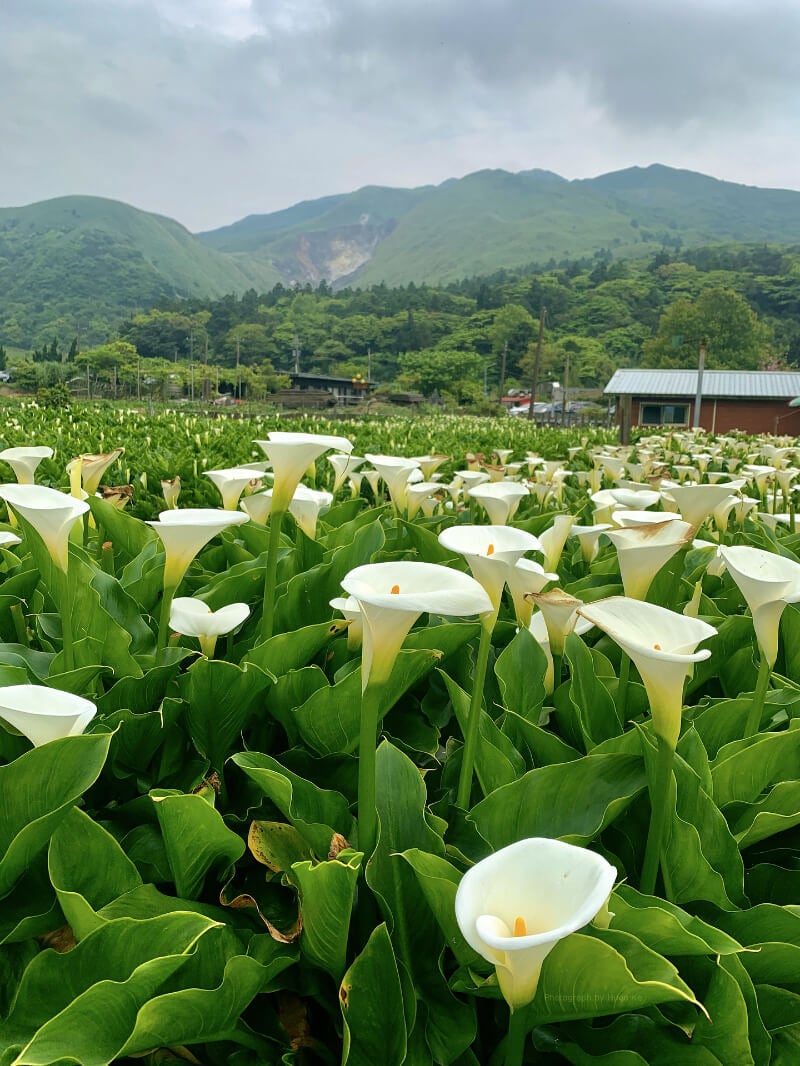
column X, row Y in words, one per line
column 598, row 315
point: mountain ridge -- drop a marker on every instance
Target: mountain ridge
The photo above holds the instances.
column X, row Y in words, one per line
column 80, row 264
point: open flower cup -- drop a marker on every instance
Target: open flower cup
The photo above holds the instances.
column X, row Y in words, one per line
column 184, row 533
column 516, row 905
column 768, row 583
column 391, row 597
column 194, row 618
column 291, row 455
column 43, row 714
column 663, row 647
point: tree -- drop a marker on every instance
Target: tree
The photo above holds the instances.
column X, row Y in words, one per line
column 736, row 339
column 441, row 370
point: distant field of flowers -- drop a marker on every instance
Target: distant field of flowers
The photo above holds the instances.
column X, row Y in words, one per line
column 396, row 741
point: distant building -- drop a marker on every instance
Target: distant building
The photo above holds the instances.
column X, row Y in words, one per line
column 755, row 401
column 343, row 390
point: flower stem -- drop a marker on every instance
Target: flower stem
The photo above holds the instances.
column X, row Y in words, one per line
column 558, row 670
column 757, row 706
column 474, row 715
column 367, row 811
column 275, row 520
column 622, row 687
column 515, row 1041
column 163, row 620
column 66, row 623
column 659, row 795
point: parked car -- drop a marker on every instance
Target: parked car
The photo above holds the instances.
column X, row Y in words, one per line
column 539, row 409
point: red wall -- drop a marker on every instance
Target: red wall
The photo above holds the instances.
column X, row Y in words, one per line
column 752, row 416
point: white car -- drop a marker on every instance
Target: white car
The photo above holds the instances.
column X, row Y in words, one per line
column 539, row 409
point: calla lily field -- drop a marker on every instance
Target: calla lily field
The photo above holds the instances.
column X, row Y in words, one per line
column 436, row 742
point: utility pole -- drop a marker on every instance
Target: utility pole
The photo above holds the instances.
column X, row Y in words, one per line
column 296, row 354
column 565, row 397
column 191, row 387
column 503, row 362
column 698, row 400
column 138, row 378
column 537, row 362
column 206, row 381
column 369, row 364
column 238, row 378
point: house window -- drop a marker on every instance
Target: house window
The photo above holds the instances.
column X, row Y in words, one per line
column 664, row 414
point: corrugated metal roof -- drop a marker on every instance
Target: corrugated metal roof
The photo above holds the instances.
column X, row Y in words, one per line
column 719, row 384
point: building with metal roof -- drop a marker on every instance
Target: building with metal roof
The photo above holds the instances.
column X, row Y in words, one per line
column 752, row 400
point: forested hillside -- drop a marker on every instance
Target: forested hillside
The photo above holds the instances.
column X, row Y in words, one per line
column 599, row 315
column 77, row 265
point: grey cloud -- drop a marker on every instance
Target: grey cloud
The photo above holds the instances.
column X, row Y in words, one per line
column 171, row 106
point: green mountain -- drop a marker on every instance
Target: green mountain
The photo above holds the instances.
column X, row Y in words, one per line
column 80, row 264
column 492, row 219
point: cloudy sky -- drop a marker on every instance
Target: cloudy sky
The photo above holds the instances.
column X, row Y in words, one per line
column 209, row 110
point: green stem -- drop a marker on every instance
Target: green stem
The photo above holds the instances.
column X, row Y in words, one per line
column 757, row 706
column 65, row 610
column 474, row 715
column 658, row 786
column 163, row 620
column 275, row 520
column 367, row 811
column 515, row 1041
column 622, row 687
column 558, row 671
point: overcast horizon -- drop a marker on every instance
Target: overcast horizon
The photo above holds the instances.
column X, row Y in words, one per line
column 216, row 109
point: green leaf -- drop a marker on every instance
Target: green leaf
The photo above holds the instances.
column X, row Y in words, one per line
column 221, row 697
column 573, row 801
column 594, row 707
column 439, row 881
column 777, row 811
column 88, row 869
column 587, row 976
column 744, row 768
column 327, row 891
column 38, row 790
column 82, row 1005
column 370, row 995
column 497, row 762
column 290, row 651
column 666, row 928
column 520, row 671
column 316, row 813
column 775, row 934
column 196, row 839
column 733, row 1029
column 330, row 720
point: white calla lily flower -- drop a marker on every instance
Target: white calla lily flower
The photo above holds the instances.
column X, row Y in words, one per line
column 349, row 607
column 92, row 468
column 343, row 466
column 643, row 550
column 305, row 507
column 525, row 577
column 51, row 513
column 500, row 499
column 43, row 714
column 392, row 596
column 768, row 582
column 429, row 464
column 232, row 482
column 171, row 488
column 291, row 454
column 538, row 628
column 516, row 905
column 395, row 472
column 560, row 612
column 661, row 644
column 589, row 539
column 185, row 532
column 697, row 502
column 491, row 552
column 554, row 539
column 194, row 618
column 23, row 461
